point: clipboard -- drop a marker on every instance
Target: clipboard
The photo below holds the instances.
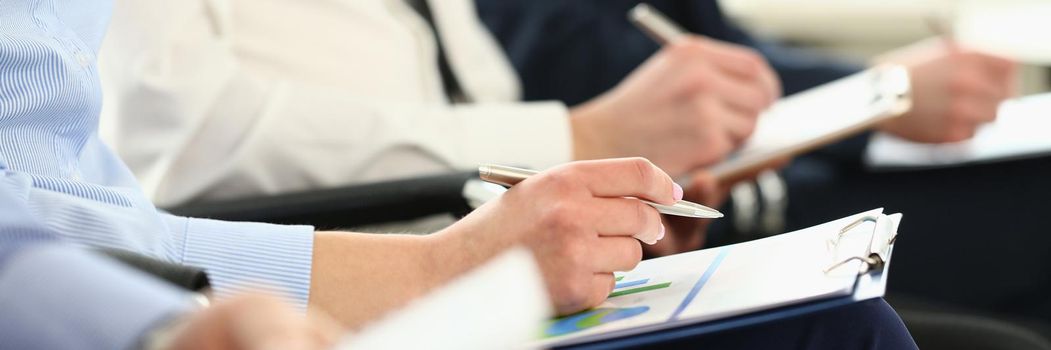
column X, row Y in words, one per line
column 860, row 248
column 820, row 116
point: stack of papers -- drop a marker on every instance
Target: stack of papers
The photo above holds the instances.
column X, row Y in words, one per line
column 1022, row 130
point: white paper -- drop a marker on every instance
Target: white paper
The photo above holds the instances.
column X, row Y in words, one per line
column 753, row 276
column 1022, row 129
column 821, row 115
column 1010, row 28
column 500, row 305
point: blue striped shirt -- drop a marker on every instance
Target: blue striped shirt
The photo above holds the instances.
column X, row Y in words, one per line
column 50, row 154
column 55, row 296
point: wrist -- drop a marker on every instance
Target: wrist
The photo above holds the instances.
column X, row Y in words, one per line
column 584, row 132
column 464, row 246
column 452, row 251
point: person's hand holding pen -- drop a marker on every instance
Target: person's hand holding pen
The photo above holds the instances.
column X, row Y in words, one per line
column 685, row 108
column 576, row 221
column 955, row 90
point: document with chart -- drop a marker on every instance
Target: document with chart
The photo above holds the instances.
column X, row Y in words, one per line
column 842, row 259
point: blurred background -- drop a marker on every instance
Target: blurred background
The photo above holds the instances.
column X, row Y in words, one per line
column 860, row 29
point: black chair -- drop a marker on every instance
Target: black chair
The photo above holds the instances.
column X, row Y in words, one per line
column 352, row 206
column 937, row 325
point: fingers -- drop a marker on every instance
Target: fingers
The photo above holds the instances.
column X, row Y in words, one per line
column 761, row 70
column 747, row 65
column 968, row 83
column 995, row 66
column 994, row 75
column 740, row 94
column 738, row 61
column 975, row 110
column 629, row 217
column 603, row 285
column 626, row 177
column 610, row 254
column 738, row 123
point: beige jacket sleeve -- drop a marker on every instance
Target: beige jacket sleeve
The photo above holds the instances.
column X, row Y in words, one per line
column 195, row 120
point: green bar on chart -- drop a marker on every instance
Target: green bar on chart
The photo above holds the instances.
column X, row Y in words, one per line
column 639, row 289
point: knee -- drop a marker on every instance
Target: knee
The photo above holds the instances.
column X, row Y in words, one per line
column 872, row 324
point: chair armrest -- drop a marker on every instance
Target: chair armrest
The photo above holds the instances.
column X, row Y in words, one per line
column 344, row 207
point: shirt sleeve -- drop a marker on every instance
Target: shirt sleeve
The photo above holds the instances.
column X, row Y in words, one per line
column 60, row 297
column 202, row 124
column 247, row 256
column 237, row 256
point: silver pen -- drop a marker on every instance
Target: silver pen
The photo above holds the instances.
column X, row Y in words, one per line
column 510, row 176
column 655, row 24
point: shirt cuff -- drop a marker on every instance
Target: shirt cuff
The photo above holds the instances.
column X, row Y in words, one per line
column 59, row 297
column 535, row 135
column 246, row 256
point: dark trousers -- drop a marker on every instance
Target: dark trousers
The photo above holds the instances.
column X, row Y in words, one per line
column 867, row 325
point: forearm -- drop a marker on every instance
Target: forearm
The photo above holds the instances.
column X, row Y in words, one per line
column 358, row 277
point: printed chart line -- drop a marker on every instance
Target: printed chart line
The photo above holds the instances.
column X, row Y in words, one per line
column 700, row 283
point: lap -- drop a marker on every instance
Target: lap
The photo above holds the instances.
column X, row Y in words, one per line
column 870, row 324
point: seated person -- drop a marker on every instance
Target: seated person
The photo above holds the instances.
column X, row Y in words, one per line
column 575, row 51
column 59, row 182
column 222, row 98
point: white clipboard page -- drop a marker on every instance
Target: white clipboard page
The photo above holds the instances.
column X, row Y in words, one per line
column 717, row 283
column 1022, row 130
column 819, row 116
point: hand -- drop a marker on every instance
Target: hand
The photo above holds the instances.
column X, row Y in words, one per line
column 954, row 91
column 686, row 107
column 256, row 322
column 576, row 222
column 688, row 234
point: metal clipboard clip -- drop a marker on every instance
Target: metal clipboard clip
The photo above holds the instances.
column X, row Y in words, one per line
column 875, row 256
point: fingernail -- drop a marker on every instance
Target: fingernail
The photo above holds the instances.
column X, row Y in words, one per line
column 677, row 191
column 660, row 235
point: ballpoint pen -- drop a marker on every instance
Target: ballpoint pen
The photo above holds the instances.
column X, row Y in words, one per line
column 510, row 176
column 655, row 24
